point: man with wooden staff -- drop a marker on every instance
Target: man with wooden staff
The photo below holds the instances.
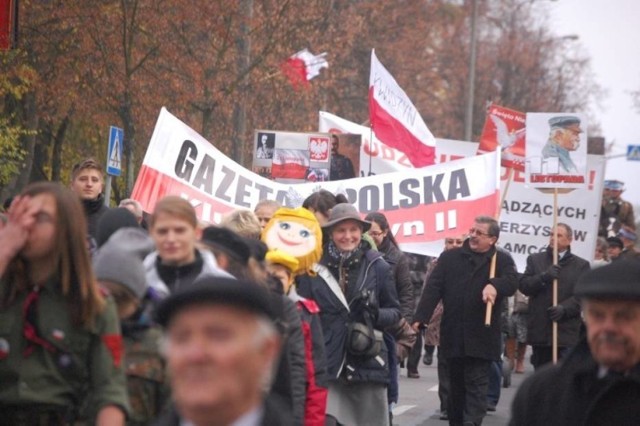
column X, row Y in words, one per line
column 463, row 281
column 537, row 283
column 598, row 383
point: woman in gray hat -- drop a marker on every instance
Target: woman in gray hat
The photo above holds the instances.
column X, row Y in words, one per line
column 354, row 289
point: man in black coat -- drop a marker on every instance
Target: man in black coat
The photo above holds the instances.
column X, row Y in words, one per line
column 537, row 283
column 461, row 279
column 598, row 383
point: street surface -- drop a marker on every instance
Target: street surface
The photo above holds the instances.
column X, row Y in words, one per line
column 419, row 404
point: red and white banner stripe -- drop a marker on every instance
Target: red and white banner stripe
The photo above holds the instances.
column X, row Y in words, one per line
column 424, row 207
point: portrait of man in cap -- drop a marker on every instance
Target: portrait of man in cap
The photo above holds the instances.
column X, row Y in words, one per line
column 599, row 380
column 564, row 137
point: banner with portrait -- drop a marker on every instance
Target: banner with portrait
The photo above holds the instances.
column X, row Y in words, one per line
column 556, row 150
column 423, row 207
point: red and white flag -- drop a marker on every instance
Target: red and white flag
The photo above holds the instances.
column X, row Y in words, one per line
column 395, row 120
column 304, row 66
column 290, row 163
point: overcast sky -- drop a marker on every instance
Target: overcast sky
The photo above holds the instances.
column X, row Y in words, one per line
column 609, row 31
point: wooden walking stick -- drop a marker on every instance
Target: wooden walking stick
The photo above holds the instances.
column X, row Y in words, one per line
column 492, row 273
column 554, row 324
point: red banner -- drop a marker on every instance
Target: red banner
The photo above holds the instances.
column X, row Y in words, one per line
column 8, row 23
column 504, row 128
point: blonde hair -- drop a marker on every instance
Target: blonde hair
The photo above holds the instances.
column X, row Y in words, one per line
column 242, row 222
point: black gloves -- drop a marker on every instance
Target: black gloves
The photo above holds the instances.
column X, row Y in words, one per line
column 556, row 313
column 550, row 274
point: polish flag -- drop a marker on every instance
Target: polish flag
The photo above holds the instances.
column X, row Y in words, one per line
column 304, row 66
column 290, row 163
column 395, row 120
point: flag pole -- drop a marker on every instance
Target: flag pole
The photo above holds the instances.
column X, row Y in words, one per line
column 370, row 143
column 555, row 280
column 492, row 274
column 492, row 267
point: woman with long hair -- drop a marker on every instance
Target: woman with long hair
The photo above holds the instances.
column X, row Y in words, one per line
column 59, row 336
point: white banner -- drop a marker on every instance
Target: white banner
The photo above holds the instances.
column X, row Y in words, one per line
column 526, row 218
column 424, row 207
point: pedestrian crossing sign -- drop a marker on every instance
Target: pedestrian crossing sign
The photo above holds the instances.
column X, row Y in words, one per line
column 114, row 153
column 633, row 153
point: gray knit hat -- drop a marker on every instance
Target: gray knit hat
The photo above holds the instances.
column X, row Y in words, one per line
column 119, row 260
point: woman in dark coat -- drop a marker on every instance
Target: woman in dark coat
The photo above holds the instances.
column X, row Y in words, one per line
column 353, row 285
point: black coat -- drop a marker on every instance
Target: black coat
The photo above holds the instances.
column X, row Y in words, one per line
column 373, row 274
column 275, row 413
column 94, row 209
column 458, row 280
column 401, row 274
column 539, row 325
column 570, row 393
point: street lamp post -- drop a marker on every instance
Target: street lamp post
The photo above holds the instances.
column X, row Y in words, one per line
column 471, row 82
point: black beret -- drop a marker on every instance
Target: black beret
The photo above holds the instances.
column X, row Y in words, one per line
column 218, row 290
column 228, row 241
column 113, row 220
column 257, row 248
column 618, row 280
column 615, row 242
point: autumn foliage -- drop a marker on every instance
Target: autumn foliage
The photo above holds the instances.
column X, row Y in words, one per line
column 81, row 66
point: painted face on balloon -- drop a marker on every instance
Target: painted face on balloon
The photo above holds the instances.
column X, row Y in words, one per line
column 291, row 237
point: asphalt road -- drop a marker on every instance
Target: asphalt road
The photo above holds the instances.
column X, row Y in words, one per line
column 419, row 404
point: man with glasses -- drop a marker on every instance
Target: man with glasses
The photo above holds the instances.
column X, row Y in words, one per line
column 461, row 279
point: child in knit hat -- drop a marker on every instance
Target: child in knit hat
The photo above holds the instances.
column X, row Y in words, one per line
column 119, row 270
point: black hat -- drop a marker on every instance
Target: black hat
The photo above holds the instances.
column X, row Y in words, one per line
column 617, row 280
column 228, row 241
column 217, row 290
column 344, row 211
column 111, row 221
column 257, row 248
column 615, row 242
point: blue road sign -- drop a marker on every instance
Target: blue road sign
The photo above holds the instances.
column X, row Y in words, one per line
column 633, row 152
column 114, row 153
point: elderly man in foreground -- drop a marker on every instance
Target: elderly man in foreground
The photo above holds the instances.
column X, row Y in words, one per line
column 221, row 347
column 599, row 381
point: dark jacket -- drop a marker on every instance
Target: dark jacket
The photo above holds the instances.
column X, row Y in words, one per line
column 458, row 280
column 371, row 273
column 570, row 393
column 275, row 413
column 291, row 375
column 94, row 209
column 539, row 325
column 404, row 287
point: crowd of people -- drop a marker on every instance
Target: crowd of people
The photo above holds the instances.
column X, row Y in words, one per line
column 301, row 316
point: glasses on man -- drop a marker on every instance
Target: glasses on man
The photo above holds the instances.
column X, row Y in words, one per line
column 479, row 233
